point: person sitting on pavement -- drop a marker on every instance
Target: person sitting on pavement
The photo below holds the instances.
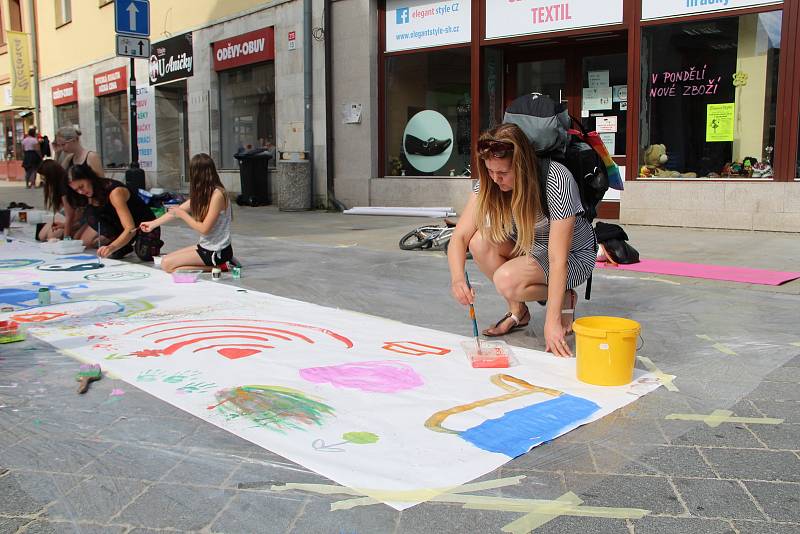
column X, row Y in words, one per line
column 528, row 256
column 59, row 198
column 208, row 211
column 114, row 212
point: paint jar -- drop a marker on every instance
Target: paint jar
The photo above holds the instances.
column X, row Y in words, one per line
column 44, row 296
column 236, row 271
column 157, row 261
column 216, row 273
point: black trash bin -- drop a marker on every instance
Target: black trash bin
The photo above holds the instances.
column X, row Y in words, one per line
column 254, row 177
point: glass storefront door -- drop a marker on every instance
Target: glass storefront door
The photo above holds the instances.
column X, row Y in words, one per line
column 590, row 77
column 548, row 77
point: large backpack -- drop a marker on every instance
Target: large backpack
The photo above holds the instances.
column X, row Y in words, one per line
column 548, row 127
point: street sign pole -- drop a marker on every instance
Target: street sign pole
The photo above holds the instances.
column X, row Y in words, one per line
column 134, row 176
column 133, row 125
column 132, row 20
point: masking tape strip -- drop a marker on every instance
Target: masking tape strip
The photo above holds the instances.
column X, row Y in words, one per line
column 719, row 346
column 654, row 279
column 717, row 417
column 796, row 344
column 665, row 379
column 537, row 511
column 542, row 515
column 424, row 494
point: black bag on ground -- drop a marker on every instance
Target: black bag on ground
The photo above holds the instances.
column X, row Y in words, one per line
column 614, row 242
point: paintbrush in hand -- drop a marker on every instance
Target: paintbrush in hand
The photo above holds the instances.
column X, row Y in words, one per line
column 472, row 316
column 87, row 374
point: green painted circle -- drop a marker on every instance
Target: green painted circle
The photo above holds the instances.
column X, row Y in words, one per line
column 360, row 438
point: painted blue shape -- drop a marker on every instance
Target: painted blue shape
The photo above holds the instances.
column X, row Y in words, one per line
column 18, row 263
column 515, row 432
column 79, row 257
column 132, row 17
column 19, row 297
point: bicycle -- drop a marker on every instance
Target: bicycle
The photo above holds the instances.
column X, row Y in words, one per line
column 429, row 237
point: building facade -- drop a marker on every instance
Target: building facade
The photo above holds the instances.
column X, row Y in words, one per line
column 222, row 78
column 696, row 99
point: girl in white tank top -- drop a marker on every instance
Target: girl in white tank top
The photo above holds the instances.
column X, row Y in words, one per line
column 208, row 211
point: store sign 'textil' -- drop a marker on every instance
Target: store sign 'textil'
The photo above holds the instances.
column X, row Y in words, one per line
column 525, row 17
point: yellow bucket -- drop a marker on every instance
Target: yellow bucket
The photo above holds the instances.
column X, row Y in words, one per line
column 606, row 349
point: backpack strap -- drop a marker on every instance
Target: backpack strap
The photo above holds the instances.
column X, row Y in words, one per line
column 544, row 171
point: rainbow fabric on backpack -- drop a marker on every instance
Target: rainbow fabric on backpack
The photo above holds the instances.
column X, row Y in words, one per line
column 614, row 177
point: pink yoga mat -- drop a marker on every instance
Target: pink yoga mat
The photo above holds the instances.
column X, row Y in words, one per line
column 709, row 272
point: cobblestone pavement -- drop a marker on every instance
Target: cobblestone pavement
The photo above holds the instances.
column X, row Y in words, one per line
column 123, row 461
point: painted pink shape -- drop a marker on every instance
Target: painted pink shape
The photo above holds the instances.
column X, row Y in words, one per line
column 116, row 393
column 376, row 376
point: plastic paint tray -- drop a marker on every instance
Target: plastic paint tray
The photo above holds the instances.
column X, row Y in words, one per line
column 11, row 332
column 185, row 277
column 493, row 354
column 74, row 246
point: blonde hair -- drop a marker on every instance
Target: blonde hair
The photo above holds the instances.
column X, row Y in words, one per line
column 500, row 211
column 68, row 133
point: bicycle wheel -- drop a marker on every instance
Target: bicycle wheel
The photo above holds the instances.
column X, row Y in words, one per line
column 414, row 239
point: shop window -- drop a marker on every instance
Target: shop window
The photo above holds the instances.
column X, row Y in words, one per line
column 247, row 111
column 15, row 15
column 428, row 113
column 63, row 12
column 709, row 93
column 114, row 133
column 604, row 102
column 2, row 29
column 67, row 115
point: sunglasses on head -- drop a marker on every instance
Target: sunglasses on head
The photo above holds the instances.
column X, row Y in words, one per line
column 497, row 149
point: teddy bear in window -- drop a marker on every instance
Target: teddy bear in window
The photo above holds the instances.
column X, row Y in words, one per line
column 655, row 157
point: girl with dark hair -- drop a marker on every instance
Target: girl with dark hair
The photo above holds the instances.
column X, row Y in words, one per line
column 208, row 211
column 114, row 213
column 58, row 197
column 526, row 254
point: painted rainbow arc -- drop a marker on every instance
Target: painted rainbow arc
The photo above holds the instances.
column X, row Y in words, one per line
column 197, row 333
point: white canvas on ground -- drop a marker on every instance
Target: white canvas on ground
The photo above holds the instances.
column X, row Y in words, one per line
column 391, row 409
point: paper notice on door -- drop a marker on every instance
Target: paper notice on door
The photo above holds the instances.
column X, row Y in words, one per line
column 623, row 106
column 719, row 122
column 606, row 124
column 598, row 78
column 609, row 139
column 596, row 98
column 620, row 93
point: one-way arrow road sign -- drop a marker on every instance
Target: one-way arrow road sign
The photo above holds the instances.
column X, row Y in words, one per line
column 133, row 46
column 132, row 17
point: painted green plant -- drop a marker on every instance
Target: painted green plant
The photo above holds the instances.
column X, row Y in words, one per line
column 273, row 407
